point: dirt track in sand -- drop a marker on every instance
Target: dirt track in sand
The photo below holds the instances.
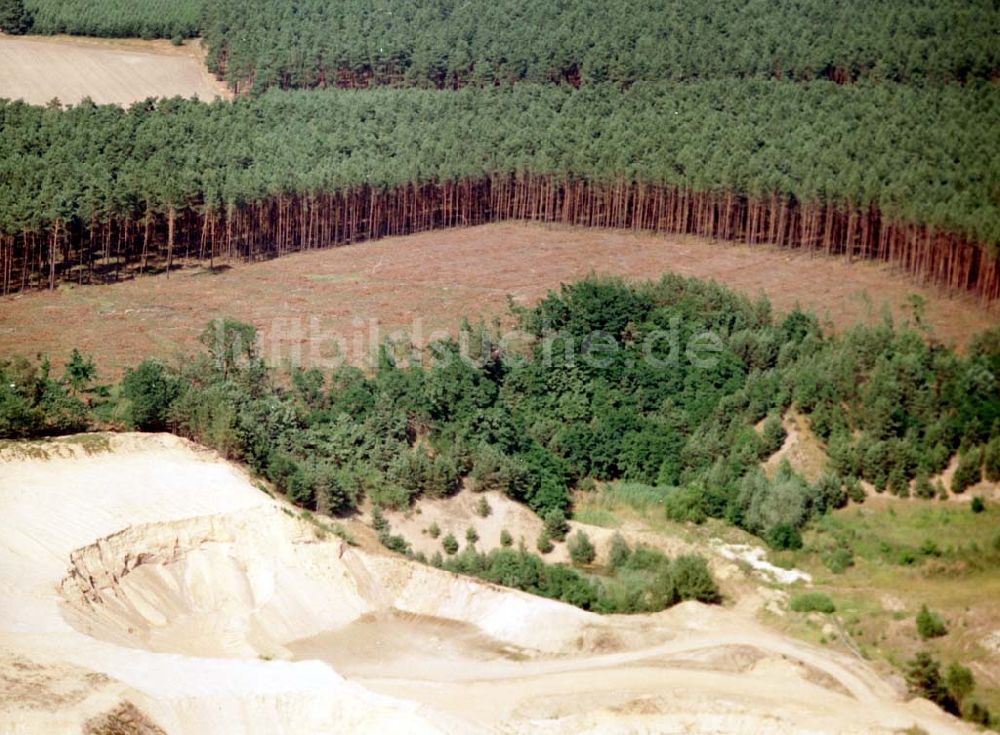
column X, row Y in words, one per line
column 302, row 302
column 109, row 71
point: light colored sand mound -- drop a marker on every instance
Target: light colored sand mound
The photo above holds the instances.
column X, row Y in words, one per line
column 151, row 586
column 38, row 69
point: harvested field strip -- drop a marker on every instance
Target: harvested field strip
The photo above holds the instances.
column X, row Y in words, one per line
column 38, row 70
column 300, row 302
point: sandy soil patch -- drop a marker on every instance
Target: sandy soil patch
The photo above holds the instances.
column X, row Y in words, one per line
column 40, row 68
column 458, row 513
column 802, row 448
column 755, row 557
column 302, row 302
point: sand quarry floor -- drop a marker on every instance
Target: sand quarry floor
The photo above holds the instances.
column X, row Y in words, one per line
column 37, row 69
column 320, row 307
column 147, row 585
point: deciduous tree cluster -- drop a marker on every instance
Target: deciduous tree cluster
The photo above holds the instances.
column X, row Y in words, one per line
column 536, row 423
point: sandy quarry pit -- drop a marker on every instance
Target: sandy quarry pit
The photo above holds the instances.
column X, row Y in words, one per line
column 152, row 584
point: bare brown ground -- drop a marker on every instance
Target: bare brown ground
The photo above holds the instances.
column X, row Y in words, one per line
column 109, row 71
column 299, row 302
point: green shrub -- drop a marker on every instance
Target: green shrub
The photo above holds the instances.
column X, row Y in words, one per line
column 773, row 436
column 471, row 535
column 150, row 390
column 906, row 557
column 450, row 544
column 968, row 472
column 79, row 372
column 774, row 509
column 379, row 522
column 855, row 491
column 784, row 536
column 813, row 602
column 231, row 344
column 334, row 489
column 618, row 552
column 923, row 678
column 424, row 476
column 686, row 504
column 388, row 494
column 923, row 488
column 20, row 416
column 960, row 681
column 930, row 624
column 434, row 530
column 483, row 508
column 556, row 525
column 898, row 484
column 929, row 547
column 828, row 493
column 978, row 714
column 506, row 540
column 524, row 571
column 394, row 543
column 646, row 558
column 493, row 470
column 977, row 505
column 839, row 560
column 691, row 579
column 580, row 548
column 991, row 460
column 544, row 543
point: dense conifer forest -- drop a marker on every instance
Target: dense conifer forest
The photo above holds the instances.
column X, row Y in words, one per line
column 900, row 173
column 451, row 43
column 115, row 18
column 318, row 43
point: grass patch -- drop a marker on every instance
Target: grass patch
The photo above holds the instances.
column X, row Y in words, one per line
column 333, row 277
column 907, row 555
column 23, row 449
column 813, row 602
column 634, row 495
column 597, row 517
column 48, row 447
column 90, row 443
